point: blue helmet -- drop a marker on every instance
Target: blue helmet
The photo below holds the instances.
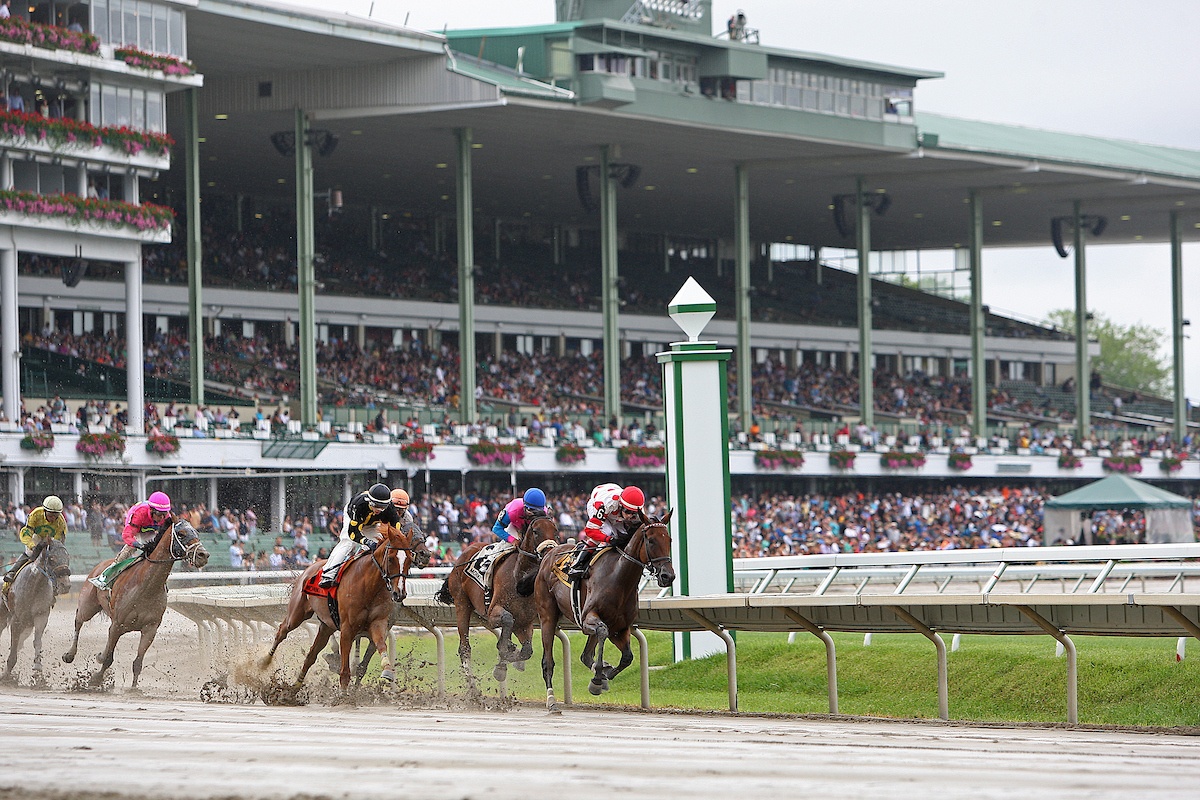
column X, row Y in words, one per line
column 534, row 498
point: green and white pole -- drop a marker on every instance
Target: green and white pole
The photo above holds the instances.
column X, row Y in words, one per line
column 696, row 398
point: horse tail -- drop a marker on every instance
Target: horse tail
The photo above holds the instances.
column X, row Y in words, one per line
column 443, row 595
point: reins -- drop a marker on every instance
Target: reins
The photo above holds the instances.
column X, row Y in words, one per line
column 650, row 564
column 187, row 552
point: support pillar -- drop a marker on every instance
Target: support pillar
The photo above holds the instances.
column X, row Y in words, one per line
column 978, row 373
column 10, row 343
column 608, row 286
column 1180, row 428
column 305, row 273
column 280, row 504
column 16, row 485
column 212, row 495
column 696, row 396
column 866, row 378
column 466, row 279
column 741, row 234
column 135, row 370
column 139, row 483
column 77, row 486
column 1083, row 372
column 195, row 262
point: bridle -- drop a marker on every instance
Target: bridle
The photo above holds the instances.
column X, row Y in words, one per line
column 652, row 565
column 179, row 550
column 537, row 553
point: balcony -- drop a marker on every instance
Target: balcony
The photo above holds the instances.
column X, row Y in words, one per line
column 146, row 223
column 69, row 138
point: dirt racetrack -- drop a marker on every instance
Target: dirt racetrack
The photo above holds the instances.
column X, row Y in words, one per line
column 62, row 742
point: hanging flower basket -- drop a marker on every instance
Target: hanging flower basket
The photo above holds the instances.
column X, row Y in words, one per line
column 774, row 459
column 169, row 65
column 163, row 444
column 67, row 132
column 842, row 459
column 570, row 454
column 897, row 459
column 1068, row 460
column 639, row 456
column 1127, row 464
column 51, row 37
column 488, row 453
column 419, row 451
column 98, row 445
column 76, row 209
column 40, row 441
column 1171, row 463
column 959, row 461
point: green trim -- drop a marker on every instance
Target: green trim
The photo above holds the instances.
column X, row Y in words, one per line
column 691, row 308
column 699, row 347
column 681, row 483
column 706, row 355
column 727, row 488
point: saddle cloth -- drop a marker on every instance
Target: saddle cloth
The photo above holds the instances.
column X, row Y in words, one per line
column 312, row 583
column 562, row 563
column 105, row 579
column 482, row 567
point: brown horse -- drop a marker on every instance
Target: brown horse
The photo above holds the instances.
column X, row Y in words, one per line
column 512, row 609
column 138, row 596
column 366, row 591
column 608, row 601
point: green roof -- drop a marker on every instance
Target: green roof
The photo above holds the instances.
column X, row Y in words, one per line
column 1119, row 491
column 507, row 80
column 952, row 133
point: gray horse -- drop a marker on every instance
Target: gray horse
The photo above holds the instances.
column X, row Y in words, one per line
column 27, row 605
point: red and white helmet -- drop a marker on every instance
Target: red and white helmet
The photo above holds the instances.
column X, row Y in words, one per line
column 159, row 501
column 632, row 498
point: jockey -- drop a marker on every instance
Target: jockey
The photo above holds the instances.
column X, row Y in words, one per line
column 44, row 523
column 371, row 508
column 517, row 515
column 401, row 501
column 143, row 523
column 611, row 510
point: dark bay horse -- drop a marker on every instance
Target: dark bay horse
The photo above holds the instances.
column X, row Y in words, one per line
column 608, row 600
column 30, row 598
column 368, row 587
column 512, row 609
column 138, row 596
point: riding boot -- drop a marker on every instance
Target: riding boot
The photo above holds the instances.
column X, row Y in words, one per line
column 128, row 551
column 341, row 551
column 14, row 569
column 579, row 567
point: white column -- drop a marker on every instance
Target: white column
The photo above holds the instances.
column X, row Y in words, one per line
column 212, row 494
column 139, row 483
column 6, row 172
column 347, row 489
column 10, row 346
column 134, row 348
column 16, row 485
column 280, row 503
column 77, row 487
column 132, row 194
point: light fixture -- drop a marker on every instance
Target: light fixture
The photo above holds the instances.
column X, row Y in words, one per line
column 221, row 116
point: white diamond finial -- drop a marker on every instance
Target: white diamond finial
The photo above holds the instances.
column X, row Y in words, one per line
column 692, row 308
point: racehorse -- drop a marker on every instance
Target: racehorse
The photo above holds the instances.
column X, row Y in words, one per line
column 30, row 598
column 512, row 609
column 368, row 587
column 138, row 596
column 608, row 600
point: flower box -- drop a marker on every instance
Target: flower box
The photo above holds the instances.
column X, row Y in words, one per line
column 570, row 454
column 168, row 65
column 78, row 210
column 488, row 453
column 40, row 441
column 639, row 456
column 1127, row 464
column 959, row 461
column 163, row 444
column 1068, row 460
column 98, row 445
column 68, row 132
column 419, row 451
column 774, row 459
column 842, row 459
column 50, row 37
column 895, row 459
column 1170, row 463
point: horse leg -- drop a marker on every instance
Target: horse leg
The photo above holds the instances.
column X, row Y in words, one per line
column 319, row 642
column 89, row 606
column 504, row 645
column 549, row 625
column 588, row 656
column 379, row 631
column 598, row 683
column 16, row 638
column 148, row 634
column 621, row 640
column 525, row 637
column 106, row 658
column 347, row 639
column 297, row 613
column 39, row 628
column 462, row 614
column 364, row 662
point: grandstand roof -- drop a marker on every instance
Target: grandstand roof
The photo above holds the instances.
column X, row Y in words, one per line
column 1119, row 491
column 398, row 151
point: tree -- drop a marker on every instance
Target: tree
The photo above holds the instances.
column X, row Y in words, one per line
column 1130, row 355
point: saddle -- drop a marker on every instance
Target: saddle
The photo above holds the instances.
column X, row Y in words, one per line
column 559, row 569
column 106, row 578
column 482, row 567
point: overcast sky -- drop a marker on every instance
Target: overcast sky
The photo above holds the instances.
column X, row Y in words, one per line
column 1110, row 68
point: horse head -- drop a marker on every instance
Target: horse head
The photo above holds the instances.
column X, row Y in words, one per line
column 654, row 544
column 541, row 534
column 420, row 553
column 58, row 562
column 186, row 546
column 392, row 568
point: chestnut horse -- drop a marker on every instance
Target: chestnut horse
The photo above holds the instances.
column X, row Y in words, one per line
column 512, row 608
column 138, row 596
column 368, row 587
column 608, row 600
column 27, row 605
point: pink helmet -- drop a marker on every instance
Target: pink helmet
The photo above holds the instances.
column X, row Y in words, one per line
column 633, row 498
column 159, row 501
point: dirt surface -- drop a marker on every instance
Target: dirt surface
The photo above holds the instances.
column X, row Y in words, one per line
column 166, row 743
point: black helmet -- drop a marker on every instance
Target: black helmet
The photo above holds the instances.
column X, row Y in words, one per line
column 379, row 496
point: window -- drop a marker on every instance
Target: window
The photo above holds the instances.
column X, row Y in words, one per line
column 99, row 23
column 178, row 40
column 162, row 42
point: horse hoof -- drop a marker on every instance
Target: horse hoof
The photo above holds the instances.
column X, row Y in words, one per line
column 520, row 666
column 595, row 688
column 604, row 685
column 388, row 675
column 68, row 658
column 500, row 672
column 555, row 709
